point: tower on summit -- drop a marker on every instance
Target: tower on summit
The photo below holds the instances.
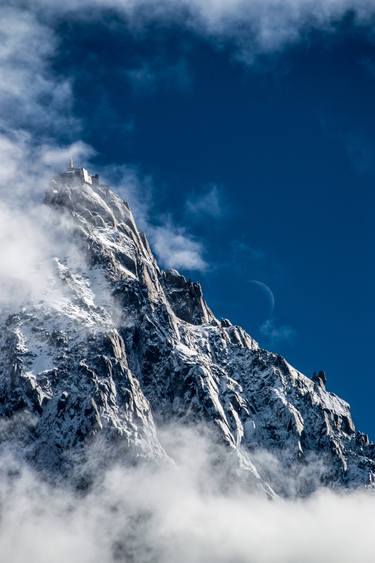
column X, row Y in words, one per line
column 76, row 176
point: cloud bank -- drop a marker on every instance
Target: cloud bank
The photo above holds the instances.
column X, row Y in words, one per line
column 188, row 511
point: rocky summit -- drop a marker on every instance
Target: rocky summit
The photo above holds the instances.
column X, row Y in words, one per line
column 117, row 348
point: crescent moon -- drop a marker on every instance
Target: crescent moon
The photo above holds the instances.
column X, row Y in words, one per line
column 267, row 291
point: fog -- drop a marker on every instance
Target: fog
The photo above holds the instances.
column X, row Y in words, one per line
column 191, row 510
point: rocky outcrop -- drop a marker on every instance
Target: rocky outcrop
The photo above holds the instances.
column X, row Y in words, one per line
column 186, row 299
column 124, row 347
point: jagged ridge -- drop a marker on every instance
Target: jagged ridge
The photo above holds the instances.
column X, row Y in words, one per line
column 126, row 347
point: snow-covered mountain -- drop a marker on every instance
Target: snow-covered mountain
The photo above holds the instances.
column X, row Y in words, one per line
column 118, row 348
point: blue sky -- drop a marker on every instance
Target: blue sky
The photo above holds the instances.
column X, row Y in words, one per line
column 256, row 159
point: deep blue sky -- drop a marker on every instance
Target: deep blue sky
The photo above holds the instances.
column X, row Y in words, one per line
column 289, row 141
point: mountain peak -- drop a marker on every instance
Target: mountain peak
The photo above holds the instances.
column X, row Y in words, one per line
column 76, row 175
column 130, row 347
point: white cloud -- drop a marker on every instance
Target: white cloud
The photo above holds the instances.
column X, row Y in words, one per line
column 30, row 95
column 23, row 272
column 188, row 511
column 256, row 25
column 34, row 104
column 173, row 244
column 29, row 231
column 276, row 333
column 206, row 203
column 176, row 248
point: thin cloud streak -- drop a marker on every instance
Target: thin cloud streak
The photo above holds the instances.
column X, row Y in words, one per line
column 207, row 203
column 275, row 334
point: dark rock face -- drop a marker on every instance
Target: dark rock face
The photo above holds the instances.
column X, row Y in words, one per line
column 320, row 378
column 186, row 299
column 123, row 347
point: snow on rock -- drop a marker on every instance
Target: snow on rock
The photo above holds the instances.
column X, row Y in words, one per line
column 127, row 347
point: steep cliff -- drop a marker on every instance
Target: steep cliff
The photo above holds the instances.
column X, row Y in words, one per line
column 120, row 347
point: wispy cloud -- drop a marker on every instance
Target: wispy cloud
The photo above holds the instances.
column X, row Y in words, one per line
column 174, row 245
column 176, row 248
column 30, row 94
column 156, row 74
column 254, row 25
column 275, row 334
column 206, row 203
column 34, row 105
column 243, row 253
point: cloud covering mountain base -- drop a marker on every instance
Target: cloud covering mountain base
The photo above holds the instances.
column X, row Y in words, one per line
column 188, row 511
